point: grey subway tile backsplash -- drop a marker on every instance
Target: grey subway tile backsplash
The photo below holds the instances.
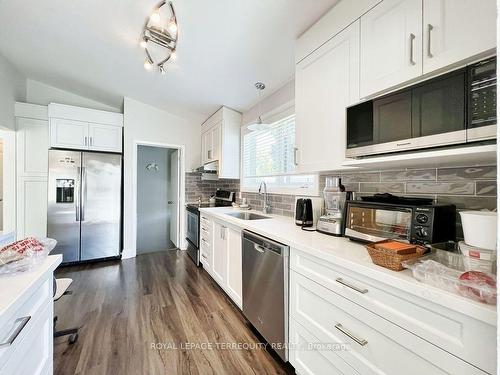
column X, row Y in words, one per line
column 486, row 188
column 382, row 187
column 409, row 175
column 470, row 188
column 457, row 187
column 467, row 173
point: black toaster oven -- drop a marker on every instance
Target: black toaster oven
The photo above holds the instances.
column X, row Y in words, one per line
column 414, row 223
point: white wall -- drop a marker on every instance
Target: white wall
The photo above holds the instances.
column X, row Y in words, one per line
column 43, row 94
column 144, row 124
column 12, row 89
column 284, row 95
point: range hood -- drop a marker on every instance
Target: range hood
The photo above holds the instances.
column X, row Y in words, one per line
column 209, row 171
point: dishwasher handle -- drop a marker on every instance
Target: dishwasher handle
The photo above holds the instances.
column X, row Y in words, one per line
column 259, row 248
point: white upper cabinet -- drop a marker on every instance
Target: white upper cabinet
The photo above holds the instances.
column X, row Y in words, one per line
column 391, row 45
column 327, row 81
column 105, row 137
column 68, row 133
column 455, row 30
column 85, row 129
column 220, row 141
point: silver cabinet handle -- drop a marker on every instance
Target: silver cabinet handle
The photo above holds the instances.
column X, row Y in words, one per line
column 259, row 248
column 429, row 29
column 91, row 141
column 359, row 290
column 204, row 256
column 412, row 38
column 10, row 340
column 295, row 149
column 85, row 141
column 361, row 342
column 209, row 154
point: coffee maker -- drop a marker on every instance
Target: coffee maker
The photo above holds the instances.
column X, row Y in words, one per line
column 335, row 196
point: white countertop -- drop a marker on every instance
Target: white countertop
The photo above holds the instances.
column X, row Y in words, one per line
column 13, row 287
column 353, row 256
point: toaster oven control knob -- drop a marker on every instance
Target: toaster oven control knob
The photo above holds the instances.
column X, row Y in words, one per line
column 422, row 218
column 421, row 232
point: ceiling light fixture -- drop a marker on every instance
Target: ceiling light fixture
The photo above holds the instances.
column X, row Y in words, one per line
column 259, row 124
column 160, row 34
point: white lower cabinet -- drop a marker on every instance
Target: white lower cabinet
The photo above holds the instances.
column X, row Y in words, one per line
column 33, row 356
column 310, row 357
column 219, row 260
column 375, row 345
column 221, row 256
column 234, row 266
column 30, row 351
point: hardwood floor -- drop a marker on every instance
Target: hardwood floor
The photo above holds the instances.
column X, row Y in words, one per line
column 124, row 307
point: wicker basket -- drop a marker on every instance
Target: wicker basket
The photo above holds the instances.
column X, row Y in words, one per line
column 390, row 259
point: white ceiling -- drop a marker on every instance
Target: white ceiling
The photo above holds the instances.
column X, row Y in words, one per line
column 92, row 48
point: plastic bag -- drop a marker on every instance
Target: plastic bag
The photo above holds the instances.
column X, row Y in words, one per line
column 23, row 255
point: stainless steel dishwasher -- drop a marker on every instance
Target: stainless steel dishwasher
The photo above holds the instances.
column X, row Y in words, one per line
column 265, row 289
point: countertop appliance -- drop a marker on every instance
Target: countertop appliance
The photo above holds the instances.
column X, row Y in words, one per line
column 411, row 220
column 84, row 204
column 335, row 196
column 265, row 289
column 222, row 198
column 454, row 108
column 304, row 212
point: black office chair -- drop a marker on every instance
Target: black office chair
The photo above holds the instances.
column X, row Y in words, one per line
column 60, row 289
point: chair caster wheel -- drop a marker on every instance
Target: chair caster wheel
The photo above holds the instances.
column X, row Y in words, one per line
column 72, row 338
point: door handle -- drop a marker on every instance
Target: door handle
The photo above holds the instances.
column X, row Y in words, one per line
column 259, row 248
column 10, row 340
column 429, row 29
column 76, row 194
column 91, row 141
column 84, row 193
column 412, row 38
column 85, row 141
column 361, row 342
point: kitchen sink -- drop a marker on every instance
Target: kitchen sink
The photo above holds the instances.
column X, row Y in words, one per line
column 247, row 215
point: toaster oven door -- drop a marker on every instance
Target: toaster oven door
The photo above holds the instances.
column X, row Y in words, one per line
column 371, row 224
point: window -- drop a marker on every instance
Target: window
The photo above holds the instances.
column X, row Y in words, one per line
column 268, row 155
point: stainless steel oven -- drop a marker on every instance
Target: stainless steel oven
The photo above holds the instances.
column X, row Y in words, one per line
column 454, row 108
column 193, row 233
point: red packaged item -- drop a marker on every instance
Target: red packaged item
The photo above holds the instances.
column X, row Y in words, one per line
column 24, row 245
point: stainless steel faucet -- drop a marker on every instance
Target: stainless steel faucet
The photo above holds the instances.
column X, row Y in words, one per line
column 267, row 207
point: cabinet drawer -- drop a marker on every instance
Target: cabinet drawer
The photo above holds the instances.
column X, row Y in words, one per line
column 472, row 340
column 33, row 354
column 205, row 232
column 32, row 307
column 334, row 319
column 309, row 358
column 205, row 222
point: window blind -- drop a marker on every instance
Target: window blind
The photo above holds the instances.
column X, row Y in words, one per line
column 270, row 151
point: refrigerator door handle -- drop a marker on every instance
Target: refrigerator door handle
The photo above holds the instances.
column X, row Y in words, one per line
column 77, row 194
column 84, row 192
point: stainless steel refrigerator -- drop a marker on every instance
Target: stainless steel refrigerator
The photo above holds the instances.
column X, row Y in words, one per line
column 84, row 204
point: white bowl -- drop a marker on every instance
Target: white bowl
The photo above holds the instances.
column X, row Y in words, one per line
column 480, row 228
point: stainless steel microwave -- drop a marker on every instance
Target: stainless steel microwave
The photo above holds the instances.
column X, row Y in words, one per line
column 454, row 108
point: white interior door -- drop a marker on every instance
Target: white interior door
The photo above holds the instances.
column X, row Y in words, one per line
column 174, row 197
